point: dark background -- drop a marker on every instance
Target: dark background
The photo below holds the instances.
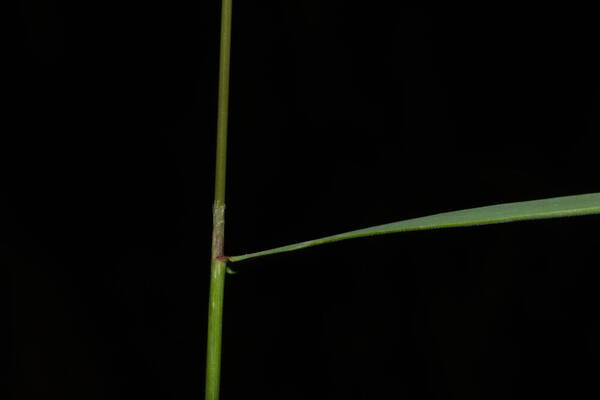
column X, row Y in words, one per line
column 343, row 115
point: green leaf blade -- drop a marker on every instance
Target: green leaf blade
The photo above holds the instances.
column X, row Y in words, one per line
column 556, row 207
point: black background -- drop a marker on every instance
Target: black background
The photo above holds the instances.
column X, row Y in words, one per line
column 343, row 115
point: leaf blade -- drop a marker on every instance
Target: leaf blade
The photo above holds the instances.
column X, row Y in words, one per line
column 556, row 207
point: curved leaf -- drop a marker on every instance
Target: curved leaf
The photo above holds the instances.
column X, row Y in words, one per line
column 508, row 212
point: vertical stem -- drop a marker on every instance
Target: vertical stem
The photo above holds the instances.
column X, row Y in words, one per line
column 218, row 261
column 223, row 106
column 215, row 318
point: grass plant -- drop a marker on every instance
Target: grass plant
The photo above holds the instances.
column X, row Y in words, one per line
column 576, row 205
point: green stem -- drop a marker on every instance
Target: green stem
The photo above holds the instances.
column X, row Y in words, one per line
column 215, row 320
column 218, row 261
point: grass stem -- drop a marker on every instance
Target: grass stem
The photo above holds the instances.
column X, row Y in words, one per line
column 215, row 322
column 218, row 262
